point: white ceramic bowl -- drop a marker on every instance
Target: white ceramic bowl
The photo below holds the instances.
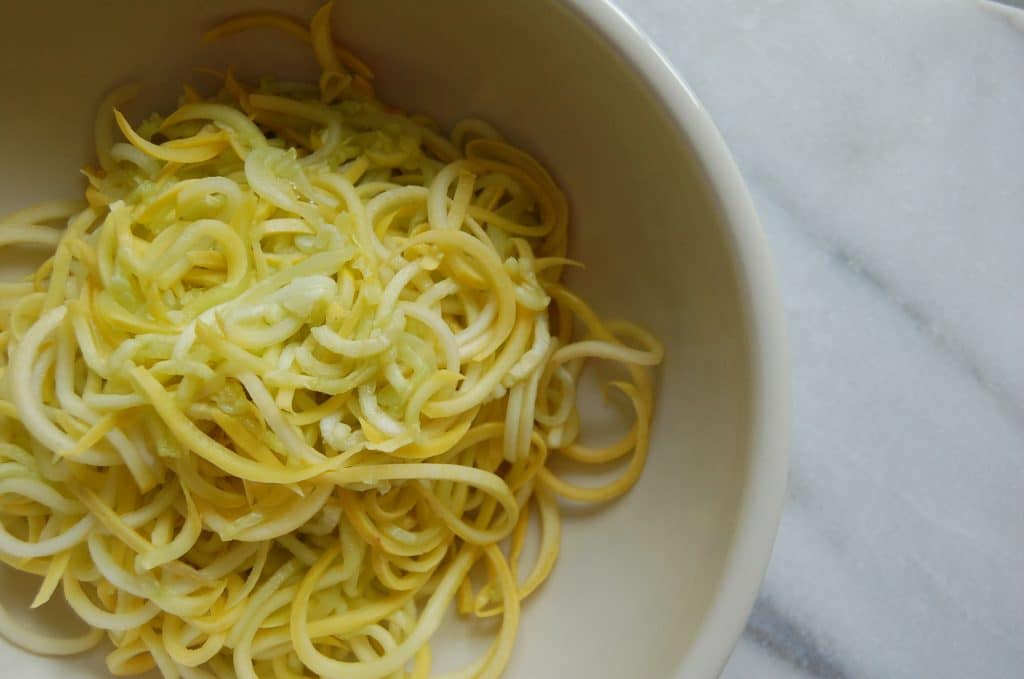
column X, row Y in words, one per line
column 660, row 583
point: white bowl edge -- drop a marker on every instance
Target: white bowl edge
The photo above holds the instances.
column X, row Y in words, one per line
column 765, row 491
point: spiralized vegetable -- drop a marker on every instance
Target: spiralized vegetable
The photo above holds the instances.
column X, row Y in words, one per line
column 289, row 384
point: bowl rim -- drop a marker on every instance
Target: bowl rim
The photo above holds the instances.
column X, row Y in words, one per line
column 765, row 484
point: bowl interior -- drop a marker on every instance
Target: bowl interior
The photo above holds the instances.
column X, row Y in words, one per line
column 635, row 578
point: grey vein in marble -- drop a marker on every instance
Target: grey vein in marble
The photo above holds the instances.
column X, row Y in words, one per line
column 771, row 629
column 857, row 265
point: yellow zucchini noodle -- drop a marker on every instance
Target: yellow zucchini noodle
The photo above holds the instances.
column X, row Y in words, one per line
column 288, row 387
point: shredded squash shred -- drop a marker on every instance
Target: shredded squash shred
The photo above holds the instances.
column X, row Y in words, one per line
column 288, row 386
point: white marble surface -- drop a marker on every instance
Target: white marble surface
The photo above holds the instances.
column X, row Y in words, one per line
column 883, row 142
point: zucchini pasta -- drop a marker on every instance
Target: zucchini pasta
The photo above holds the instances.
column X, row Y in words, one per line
column 289, row 385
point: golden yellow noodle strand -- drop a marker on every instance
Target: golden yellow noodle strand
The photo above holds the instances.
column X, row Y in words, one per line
column 295, row 376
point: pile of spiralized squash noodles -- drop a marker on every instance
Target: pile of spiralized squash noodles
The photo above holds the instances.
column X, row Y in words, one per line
column 289, row 383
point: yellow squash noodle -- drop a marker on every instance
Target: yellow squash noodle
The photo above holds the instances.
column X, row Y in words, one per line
column 290, row 385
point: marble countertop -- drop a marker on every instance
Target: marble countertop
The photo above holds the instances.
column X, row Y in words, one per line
column 883, row 144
